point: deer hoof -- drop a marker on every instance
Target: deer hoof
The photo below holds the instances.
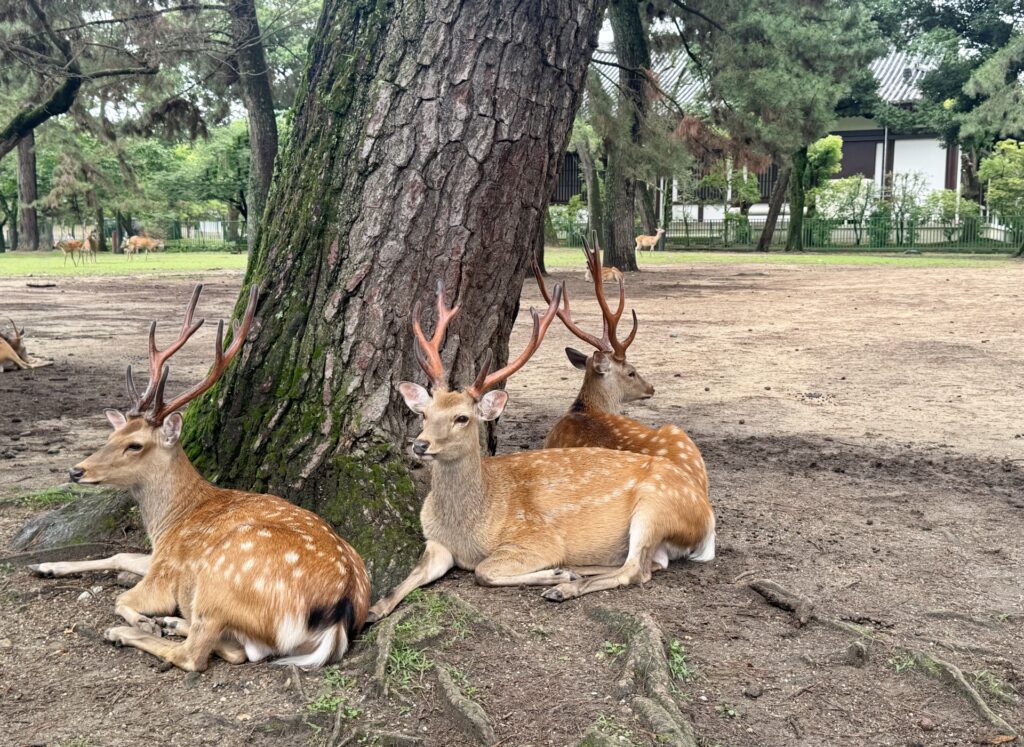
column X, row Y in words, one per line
column 120, row 636
column 41, row 569
column 172, row 625
column 148, row 625
column 554, row 594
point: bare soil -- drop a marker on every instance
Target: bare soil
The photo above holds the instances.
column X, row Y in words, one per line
column 864, row 439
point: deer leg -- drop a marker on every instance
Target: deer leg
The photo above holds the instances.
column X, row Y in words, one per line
column 436, row 561
column 228, row 649
column 137, row 563
column 192, row 655
column 137, row 605
column 514, row 567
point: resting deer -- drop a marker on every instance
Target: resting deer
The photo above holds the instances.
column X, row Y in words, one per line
column 609, row 382
column 607, row 273
column 648, row 242
column 13, row 355
column 253, row 575
column 70, row 247
column 136, row 244
column 538, row 517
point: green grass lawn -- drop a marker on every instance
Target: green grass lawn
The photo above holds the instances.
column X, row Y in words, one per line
column 559, row 258
column 21, row 264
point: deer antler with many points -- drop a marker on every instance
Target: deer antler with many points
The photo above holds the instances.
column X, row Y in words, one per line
column 428, row 352
column 151, row 403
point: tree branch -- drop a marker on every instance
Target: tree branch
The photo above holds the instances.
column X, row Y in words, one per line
column 687, row 9
column 142, row 16
column 119, row 71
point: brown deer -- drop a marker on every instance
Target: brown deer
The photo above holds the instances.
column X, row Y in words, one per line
column 92, row 243
column 609, row 382
column 607, row 273
column 253, row 575
column 545, row 517
column 13, row 355
column 70, row 247
column 136, row 244
column 648, row 242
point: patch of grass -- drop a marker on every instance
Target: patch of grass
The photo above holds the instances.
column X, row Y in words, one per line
column 334, row 678
column 726, row 710
column 540, row 631
column 325, row 703
column 407, row 665
column 25, row 264
column 903, row 662
column 44, row 499
column 560, row 259
column 433, row 615
column 993, row 685
column 681, row 668
column 611, row 650
column 6, row 568
column 460, row 679
column 610, row 726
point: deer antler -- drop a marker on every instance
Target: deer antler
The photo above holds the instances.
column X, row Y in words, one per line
column 152, row 400
column 428, row 352
column 17, row 332
column 608, row 342
column 485, row 380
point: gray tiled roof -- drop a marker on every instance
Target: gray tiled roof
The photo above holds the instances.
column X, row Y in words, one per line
column 898, row 75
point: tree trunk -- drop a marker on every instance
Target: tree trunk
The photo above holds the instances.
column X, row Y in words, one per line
column 538, row 249
column 423, row 148
column 595, row 209
column 27, row 192
column 797, row 198
column 633, row 56
column 764, row 244
column 231, row 231
column 254, row 82
column 101, row 235
column 14, row 228
column 648, row 216
column 3, row 240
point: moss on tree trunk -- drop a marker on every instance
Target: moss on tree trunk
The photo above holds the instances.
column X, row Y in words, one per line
column 422, row 147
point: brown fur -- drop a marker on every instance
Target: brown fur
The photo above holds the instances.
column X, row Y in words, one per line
column 607, row 273
column 70, row 247
column 136, row 244
column 648, row 242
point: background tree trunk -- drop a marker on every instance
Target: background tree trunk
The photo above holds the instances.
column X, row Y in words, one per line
column 595, row 209
column 538, row 249
column 764, row 244
column 423, row 148
column 797, row 198
column 231, row 230
column 254, row 82
column 14, row 228
column 100, row 232
column 633, row 55
column 648, row 216
column 27, row 192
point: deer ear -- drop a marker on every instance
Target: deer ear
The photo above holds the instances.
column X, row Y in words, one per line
column 416, row 397
column 116, row 418
column 492, row 404
column 602, row 364
column 576, row 358
column 172, row 428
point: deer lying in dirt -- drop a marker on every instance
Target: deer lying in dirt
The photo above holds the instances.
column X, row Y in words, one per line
column 607, row 273
column 136, row 244
column 253, row 575
column 609, row 382
column 648, row 242
column 13, row 355
column 70, row 247
column 543, row 517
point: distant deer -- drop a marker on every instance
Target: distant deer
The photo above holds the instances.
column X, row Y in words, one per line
column 253, row 575
column 648, row 242
column 544, row 517
column 13, row 355
column 70, row 247
column 607, row 273
column 92, row 243
column 135, row 244
column 609, row 382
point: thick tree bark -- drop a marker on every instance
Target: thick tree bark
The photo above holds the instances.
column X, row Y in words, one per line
column 100, row 233
column 797, row 199
column 764, row 244
column 538, row 250
column 254, row 82
column 648, row 216
column 28, row 192
column 231, row 230
column 423, row 148
column 633, row 56
column 595, row 209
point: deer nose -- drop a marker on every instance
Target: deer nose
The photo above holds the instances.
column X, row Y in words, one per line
column 76, row 473
column 419, row 446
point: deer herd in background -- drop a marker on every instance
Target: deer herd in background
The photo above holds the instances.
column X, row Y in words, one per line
column 89, row 247
column 606, row 503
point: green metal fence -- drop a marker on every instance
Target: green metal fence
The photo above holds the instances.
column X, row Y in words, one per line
column 878, row 234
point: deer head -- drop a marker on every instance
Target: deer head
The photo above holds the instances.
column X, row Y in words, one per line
column 451, row 419
column 17, row 341
column 145, row 440
column 609, row 378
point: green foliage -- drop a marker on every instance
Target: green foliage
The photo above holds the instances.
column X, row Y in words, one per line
column 996, row 83
column 906, row 205
column 960, row 218
column 824, row 158
column 1003, row 171
column 611, row 650
column 737, row 229
column 566, row 218
column 678, row 664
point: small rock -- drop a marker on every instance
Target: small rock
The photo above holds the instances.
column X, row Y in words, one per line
column 742, row 422
column 54, row 450
column 677, row 376
column 6, row 644
column 870, row 522
column 707, row 389
column 192, row 679
column 926, row 724
column 96, row 589
column 767, row 388
column 84, row 596
column 753, row 690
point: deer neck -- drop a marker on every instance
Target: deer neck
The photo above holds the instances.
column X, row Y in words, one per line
column 594, row 397
column 165, row 496
column 459, row 490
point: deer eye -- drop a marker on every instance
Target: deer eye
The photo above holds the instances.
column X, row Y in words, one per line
column 632, row 374
column 461, row 419
column 133, row 447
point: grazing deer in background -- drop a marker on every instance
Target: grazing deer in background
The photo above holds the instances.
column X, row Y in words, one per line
column 136, row 244
column 72, row 247
column 543, row 517
column 13, row 354
column 609, row 382
column 92, row 243
column 648, row 242
column 253, row 575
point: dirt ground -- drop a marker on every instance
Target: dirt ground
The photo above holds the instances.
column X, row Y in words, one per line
column 864, row 439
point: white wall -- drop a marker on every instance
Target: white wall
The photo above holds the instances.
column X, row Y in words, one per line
column 927, row 157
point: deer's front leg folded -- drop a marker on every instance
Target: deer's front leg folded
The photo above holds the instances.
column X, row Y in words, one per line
column 436, row 561
column 510, row 566
column 138, row 604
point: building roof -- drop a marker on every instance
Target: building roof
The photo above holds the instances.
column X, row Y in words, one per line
column 898, row 75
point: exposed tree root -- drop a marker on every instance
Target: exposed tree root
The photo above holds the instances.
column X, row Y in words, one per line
column 469, row 716
column 385, row 631
column 803, row 611
column 646, row 676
